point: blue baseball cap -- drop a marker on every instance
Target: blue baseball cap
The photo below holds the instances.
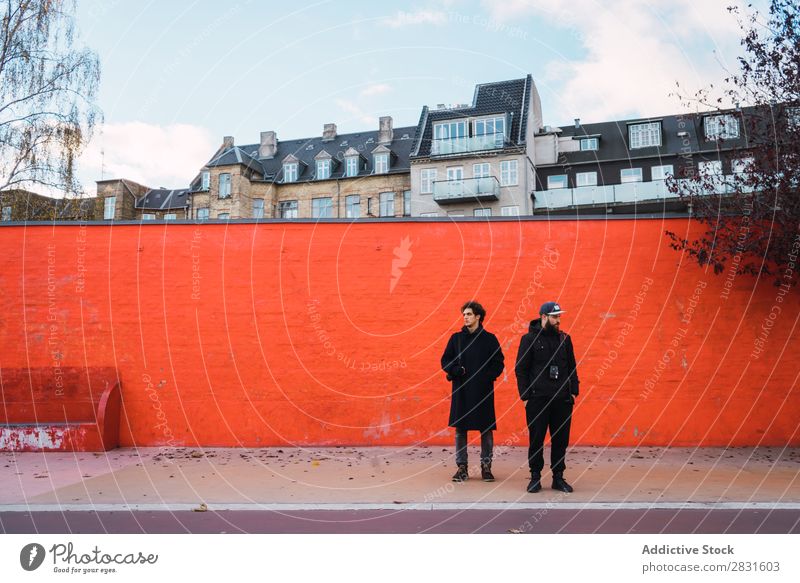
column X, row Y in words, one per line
column 550, row 309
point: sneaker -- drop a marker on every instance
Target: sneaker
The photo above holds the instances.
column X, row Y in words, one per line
column 461, row 475
column 535, row 484
column 560, row 484
column 486, row 473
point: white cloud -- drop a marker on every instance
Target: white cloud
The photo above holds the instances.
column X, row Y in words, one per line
column 150, row 154
column 401, row 18
column 375, row 89
column 635, row 52
column 357, row 113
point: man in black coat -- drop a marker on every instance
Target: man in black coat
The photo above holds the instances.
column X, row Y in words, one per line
column 473, row 360
column 547, row 380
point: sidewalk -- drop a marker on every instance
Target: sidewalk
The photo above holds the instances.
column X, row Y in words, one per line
column 417, row 477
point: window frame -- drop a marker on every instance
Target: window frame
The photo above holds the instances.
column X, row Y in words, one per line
column 351, row 164
column 220, row 193
column 205, row 180
column 485, row 165
column 431, row 173
column 550, row 181
column 385, row 199
column 207, row 213
column 323, row 168
column 287, row 208
column 644, row 129
column 257, row 207
column 317, row 208
column 509, row 210
column 714, row 130
column 482, row 212
column 630, row 177
column 578, row 176
column 348, row 206
column 291, row 172
column 109, row 207
column 380, row 163
column 661, row 171
column 509, row 169
column 594, row 141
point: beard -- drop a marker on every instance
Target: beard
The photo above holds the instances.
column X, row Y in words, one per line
column 551, row 327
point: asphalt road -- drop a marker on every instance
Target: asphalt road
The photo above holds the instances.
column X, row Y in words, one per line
column 541, row 521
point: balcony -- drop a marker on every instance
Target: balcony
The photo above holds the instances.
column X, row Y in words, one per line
column 466, row 190
column 629, row 192
column 464, row 145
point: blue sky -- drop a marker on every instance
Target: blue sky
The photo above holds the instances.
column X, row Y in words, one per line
column 178, row 75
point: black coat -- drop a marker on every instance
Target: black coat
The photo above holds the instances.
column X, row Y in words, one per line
column 472, row 403
column 538, row 350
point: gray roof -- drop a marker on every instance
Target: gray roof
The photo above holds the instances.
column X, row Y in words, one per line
column 160, row 199
column 613, row 136
column 502, row 97
column 306, row 149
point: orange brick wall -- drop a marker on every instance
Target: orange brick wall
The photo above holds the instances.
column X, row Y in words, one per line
column 262, row 334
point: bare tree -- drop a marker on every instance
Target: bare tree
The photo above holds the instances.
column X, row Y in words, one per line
column 752, row 222
column 47, row 95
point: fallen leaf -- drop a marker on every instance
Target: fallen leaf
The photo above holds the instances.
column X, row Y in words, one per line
column 202, row 508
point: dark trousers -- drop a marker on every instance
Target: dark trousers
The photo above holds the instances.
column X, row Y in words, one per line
column 555, row 414
column 487, row 446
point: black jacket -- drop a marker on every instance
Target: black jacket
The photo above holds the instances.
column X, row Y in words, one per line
column 472, row 403
column 538, row 350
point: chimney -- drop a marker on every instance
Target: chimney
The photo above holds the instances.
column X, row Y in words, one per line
column 577, row 123
column 329, row 132
column 385, row 132
column 227, row 142
column 269, row 145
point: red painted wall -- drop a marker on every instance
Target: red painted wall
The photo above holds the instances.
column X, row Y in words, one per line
column 261, row 334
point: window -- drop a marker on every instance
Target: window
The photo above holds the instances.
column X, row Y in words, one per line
column 323, row 169
column 494, row 130
column 322, row 208
column 205, row 180
column 427, row 176
column 661, row 172
column 509, row 211
column 455, row 173
column 387, row 204
column 224, row 185
column 381, row 163
column 351, row 166
column 586, row 179
column 288, row 209
column 557, row 181
column 258, row 208
column 481, row 170
column 352, row 206
column 7, row 213
column 644, row 135
column 455, row 213
column 714, row 167
column 508, row 173
column 110, row 207
column 290, row 172
column 406, row 203
column 202, row 214
column 148, row 217
column 170, row 216
column 429, row 214
column 589, row 144
column 630, row 175
column 722, row 127
column 742, row 165
column 223, row 216
column 450, row 130
column 482, row 212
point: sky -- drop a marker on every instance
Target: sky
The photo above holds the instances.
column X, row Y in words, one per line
column 178, row 75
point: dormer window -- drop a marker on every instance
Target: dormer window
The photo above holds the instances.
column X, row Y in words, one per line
column 205, row 180
column 644, row 135
column 351, row 166
column 323, row 169
column 290, row 172
column 381, row 163
column 589, row 144
column 721, row 127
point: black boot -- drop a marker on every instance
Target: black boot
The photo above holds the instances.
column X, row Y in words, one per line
column 486, row 473
column 536, row 483
column 461, row 475
column 559, row 483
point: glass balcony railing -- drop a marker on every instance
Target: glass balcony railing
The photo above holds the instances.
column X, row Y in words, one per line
column 623, row 193
column 445, row 146
column 487, row 188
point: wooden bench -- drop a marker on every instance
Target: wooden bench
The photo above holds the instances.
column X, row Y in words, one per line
column 59, row 409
